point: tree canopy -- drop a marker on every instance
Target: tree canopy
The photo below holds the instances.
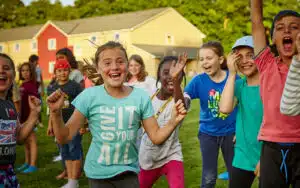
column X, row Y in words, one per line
column 222, row 20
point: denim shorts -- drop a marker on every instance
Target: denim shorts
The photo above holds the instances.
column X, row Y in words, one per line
column 73, row 149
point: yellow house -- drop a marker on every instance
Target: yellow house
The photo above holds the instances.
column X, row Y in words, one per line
column 150, row 33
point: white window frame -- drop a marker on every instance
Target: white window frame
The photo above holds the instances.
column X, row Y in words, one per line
column 51, row 67
column 32, row 46
column 15, row 47
column 1, row 48
column 50, row 42
column 115, row 37
column 169, row 37
column 77, row 50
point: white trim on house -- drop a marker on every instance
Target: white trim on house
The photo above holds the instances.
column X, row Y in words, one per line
column 51, row 44
column 45, row 26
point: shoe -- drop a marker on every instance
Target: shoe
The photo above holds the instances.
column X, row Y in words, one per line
column 224, row 176
column 57, row 158
column 30, row 169
column 23, row 167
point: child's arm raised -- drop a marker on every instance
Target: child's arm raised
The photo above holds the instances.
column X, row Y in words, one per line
column 63, row 133
column 159, row 134
column 258, row 29
column 26, row 128
column 228, row 101
column 176, row 71
column 290, row 101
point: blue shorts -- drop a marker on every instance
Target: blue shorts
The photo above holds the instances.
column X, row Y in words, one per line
column 73, row 149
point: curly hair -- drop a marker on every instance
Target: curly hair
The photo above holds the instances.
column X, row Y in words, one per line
column 143, row 73
column 31, row 69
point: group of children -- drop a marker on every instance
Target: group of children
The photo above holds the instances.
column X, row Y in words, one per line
column 253, row 118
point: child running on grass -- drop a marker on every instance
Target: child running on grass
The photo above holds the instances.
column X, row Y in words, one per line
column 72, row 151
column 115, row 113
column 290, row 101
column 11, row 131
column 279, row 161
column 216, row 129
column 164, row 159
column 29, row 87
column 243, row 93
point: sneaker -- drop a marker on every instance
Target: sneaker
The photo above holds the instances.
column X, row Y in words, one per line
column 224, row 176
column 23, row 167
column 30, row 169
column 57, row 158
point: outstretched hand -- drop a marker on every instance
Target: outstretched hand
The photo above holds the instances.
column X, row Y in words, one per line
column 177, row 68
column 232, row 61
column 34, row 104
column 179, row 112
column 56, row 101
column 298, row 46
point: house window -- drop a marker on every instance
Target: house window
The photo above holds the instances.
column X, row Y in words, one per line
column 169, row 39
column 51, row 44
column 51, row 67
column 1, row 49
column 117, row 37
column 17, row 47
column 33, row 46
column 77, row 50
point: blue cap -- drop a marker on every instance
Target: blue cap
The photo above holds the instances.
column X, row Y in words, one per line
column 282, row 14
column 244, row 41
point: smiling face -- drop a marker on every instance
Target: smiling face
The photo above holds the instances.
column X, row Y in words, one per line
column 210, row 61
column 6, row 75
column 62, row 75
column 112, row 66
column 246, row 65
column 134, row 68
column 284, row 36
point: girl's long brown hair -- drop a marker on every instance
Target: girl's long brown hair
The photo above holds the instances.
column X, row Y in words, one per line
column 143, row 73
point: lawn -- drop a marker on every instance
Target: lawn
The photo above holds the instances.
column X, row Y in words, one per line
column 45, row 177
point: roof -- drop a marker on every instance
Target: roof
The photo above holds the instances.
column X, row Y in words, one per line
column 86, row 25
column 161, row 51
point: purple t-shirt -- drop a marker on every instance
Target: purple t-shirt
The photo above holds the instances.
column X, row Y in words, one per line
column 27, row 89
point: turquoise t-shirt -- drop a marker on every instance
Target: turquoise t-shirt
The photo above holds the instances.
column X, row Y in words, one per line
column 113, row 124
column 249, row 118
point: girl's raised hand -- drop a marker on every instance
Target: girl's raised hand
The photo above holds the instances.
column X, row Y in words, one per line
column 34, row 104
column 177, row 68
column 232, row 60
column 298, row 46
column 179, row 112
column 56, row 101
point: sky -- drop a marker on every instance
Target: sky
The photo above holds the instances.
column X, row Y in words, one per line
column 64, row 2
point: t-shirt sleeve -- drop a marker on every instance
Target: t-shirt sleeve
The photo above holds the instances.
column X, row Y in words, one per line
column 147, row 108
column 264, row 58
column 191, row 88
column 290, row 101
column 81, row 102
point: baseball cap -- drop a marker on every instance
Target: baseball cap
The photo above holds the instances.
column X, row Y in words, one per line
column 281, row 14
column 244, row 41
column 62, row 64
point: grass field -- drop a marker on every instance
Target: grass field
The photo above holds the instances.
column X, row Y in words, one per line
column 45, row 177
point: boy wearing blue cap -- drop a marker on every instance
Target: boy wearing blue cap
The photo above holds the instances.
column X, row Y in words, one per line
column 245, row 94
column 280, row 155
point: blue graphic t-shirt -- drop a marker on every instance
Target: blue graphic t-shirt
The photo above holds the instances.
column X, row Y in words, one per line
column 212, row 122
column 113, row 124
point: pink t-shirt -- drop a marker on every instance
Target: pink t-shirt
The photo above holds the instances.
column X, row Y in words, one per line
column 276, row 127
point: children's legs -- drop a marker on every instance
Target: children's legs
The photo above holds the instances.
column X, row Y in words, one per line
column 69, row 168
column 76, row 169
column 270, row 162
column 27, row 151
column 209, row 150
column 33, row 149
column 241, row 178
column 174, row 172
column 227, row 147
column 148, row 177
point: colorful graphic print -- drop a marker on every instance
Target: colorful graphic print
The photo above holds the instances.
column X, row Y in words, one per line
column 214, row 98
column 8, row 131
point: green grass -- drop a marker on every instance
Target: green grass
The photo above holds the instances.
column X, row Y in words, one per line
column 45, row 177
